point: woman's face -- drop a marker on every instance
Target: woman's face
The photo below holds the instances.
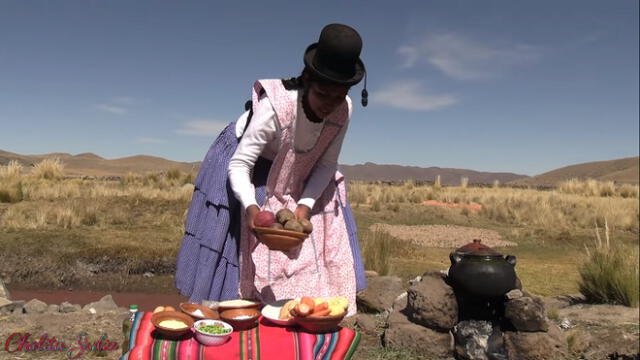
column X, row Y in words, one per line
column 324, row 98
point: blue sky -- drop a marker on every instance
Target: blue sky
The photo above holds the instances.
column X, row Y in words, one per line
column 515, row 86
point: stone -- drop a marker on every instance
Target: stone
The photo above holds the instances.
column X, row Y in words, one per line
column 367, row 323
column 415, row 280
column 402, row 333
column 53, row 308
column 397, row 312
column 67, row 307
column 527, row 314
column 563, row 301
column 432, row 303
column 472, row 339
column 4, row 292
column 424, row 341
column 603, row 343
column 35, row 306
column 549, row 345
column 380, row 293
column 566, row 324
column 514, row 294
column 12, row 307
column 4, row 301
column 102, row 306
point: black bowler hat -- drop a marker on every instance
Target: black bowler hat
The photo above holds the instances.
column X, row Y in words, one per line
column 336, row 55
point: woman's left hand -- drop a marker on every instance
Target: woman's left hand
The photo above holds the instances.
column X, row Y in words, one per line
column 302, row 212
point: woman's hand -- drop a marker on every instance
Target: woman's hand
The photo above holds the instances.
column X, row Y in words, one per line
column 302, row 212
column 251, row 212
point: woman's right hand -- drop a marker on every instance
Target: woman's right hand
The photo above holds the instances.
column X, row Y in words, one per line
column 251, row 212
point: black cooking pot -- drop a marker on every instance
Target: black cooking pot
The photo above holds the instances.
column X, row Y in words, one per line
column 480, row 272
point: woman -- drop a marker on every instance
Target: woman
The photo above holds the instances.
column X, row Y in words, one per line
column 281, row 153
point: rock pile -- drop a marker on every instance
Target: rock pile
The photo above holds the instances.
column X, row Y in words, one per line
column 425, row 318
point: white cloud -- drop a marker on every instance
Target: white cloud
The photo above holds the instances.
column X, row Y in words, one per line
column 410, row 53
column 124, row 100
column 410, row 95
column 466, row 59
column 149, row 140
column 202, row 127
column 113, row 109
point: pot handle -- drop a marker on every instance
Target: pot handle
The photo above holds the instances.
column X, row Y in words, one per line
column 455, row 258
column 511, row 259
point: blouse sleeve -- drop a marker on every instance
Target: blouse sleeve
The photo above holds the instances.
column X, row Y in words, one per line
column 261, row 131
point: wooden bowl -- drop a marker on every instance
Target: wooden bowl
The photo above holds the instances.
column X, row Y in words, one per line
column 282, row 240
column 319, row 324
column 159, row 317
column 231, row 317
column 190, row 308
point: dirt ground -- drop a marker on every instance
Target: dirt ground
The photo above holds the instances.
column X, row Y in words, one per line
column 593, row 332
column 442, row 236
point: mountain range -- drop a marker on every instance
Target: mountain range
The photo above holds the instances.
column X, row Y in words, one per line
column 624, row 170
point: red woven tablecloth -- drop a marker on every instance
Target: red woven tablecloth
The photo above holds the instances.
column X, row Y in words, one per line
column 263, row 342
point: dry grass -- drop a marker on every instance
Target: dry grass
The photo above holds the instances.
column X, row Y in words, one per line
column 135, row 224
column 10, row 183
column 610, row 274
column 13, row 170
column 376, row 246
column 550, row 228
column 598, row 188
column 516, row 207
column 48, row 169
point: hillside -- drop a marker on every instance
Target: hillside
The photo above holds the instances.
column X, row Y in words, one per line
column 623, row 170
column 448, row 176
column 92, row 164
column 619, row 170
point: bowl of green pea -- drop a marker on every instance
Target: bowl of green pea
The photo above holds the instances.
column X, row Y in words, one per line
column 211, row 332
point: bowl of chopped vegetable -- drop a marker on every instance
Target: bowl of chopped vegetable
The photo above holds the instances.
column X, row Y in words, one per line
column 212, row 332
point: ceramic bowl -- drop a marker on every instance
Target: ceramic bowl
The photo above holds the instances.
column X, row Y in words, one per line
column 198, row 311
column 319, row 324
column 237, row 304
column 212, row 339
column 241, row 319
column 157, row 320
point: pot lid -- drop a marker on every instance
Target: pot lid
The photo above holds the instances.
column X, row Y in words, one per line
column 477, row 248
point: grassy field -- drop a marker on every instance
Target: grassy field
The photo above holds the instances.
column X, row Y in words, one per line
column 57, row 232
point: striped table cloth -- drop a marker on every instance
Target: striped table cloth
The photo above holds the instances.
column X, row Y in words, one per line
column 264, row 342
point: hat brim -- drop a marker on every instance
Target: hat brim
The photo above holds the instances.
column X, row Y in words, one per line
column 356, row 78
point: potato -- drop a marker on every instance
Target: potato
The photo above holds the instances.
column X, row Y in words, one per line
column 307, row 227
column 284, row 215
column 293, row 225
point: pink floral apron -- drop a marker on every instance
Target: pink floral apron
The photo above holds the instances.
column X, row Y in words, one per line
column 323, row 265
